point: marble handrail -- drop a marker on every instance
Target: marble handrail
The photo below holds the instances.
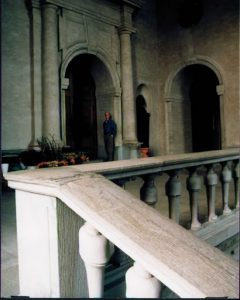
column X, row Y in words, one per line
column 126, row 168
column 188, row 266
column 148, row 169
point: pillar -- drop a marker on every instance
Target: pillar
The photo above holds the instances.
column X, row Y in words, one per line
column 117, row 109
column 128, row 99
column 50, row 77
column 36, row 69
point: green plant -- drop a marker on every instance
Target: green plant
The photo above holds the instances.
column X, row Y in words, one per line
column 50, row 149
column 55, row 154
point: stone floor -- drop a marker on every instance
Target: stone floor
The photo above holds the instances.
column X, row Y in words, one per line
column 9, row 257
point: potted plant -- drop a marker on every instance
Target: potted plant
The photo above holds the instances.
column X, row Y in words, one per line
column 56, row 155
column 51, row 154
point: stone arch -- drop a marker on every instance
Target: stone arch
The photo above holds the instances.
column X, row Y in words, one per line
column 202, row 60
column 107, row 89
column 178, row 103
column 100, row 53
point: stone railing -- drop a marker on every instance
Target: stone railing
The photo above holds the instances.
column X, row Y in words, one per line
column 52, row 204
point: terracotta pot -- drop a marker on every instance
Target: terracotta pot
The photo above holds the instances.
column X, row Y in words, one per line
column 144, row 152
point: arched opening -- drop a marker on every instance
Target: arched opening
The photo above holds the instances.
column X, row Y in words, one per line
column 81, row 131
column 194, row 107
column 89, row 95
column 142, row 121
column 205, row 109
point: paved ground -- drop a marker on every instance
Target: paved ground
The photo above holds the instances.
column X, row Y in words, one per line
column 9, row 260
column 9, row 257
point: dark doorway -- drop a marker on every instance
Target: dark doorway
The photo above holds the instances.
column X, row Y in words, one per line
column 142, row 121
column 81, row 123
column 205, row 109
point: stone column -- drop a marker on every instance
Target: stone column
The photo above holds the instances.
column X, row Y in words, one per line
column 128, row 100
column 50, row 77
column 117, row 109
column 36, row 69
column 64, row 87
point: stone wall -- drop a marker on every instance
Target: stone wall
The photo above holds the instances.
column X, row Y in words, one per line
column 161, row 49
column 212, row 42
column 16, row 76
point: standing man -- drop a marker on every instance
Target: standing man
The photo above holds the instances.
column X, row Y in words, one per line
column 109, row 130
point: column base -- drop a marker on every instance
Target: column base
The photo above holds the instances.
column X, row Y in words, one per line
column 131, row 149
column 119, row 153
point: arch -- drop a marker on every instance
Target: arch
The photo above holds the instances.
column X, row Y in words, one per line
column 107, row 87
column 99, row 53
column 179, row 104
column 201, row 60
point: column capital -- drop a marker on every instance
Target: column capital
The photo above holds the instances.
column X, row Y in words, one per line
column 220, row 89
column 126, row 15
column 126, row 30
column 65, row 83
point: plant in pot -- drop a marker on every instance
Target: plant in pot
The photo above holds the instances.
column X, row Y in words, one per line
column 54, row 154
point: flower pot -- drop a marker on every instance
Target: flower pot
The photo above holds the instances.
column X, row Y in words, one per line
column 144, row 152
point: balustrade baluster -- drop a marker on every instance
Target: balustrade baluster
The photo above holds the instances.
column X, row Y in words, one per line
column 148, row 192
column 236, row 175
column 226, row 179
column 141, row 284
column 95, row 250
column 173, row 191
column 211, row 181
column 194, row 186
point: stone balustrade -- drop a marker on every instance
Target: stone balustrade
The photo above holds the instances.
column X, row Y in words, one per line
column 52, row 204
